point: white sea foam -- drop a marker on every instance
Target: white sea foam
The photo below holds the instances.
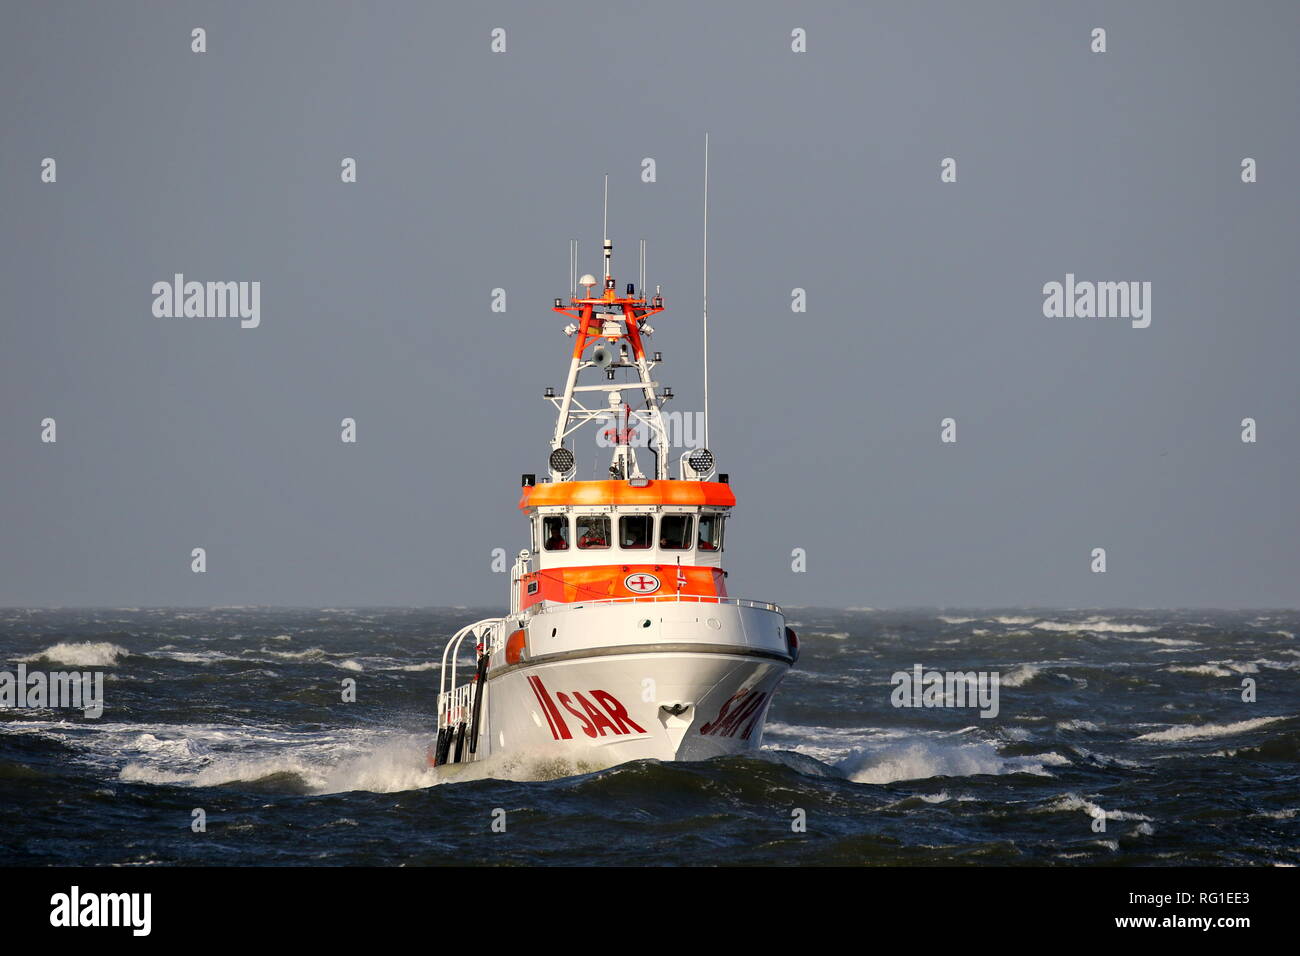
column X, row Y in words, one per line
column 920, row 759
column 1072, row 802
column 1096, row 624
column 1287, row 814
column 1105, row 760
column 85, row 654
column 956, row 620
column 322, row 763
column 1075, row 725
column 1215, row 668
column 311, row 653
column 827, row 744
column 191, row 657
column 1209, row 731
column 1020, row 675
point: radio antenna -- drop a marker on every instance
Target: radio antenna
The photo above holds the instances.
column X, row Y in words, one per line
column 609, row 247
column 706, row 290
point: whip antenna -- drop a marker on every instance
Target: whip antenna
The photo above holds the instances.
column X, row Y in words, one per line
column 706, row 290
column 609, row 247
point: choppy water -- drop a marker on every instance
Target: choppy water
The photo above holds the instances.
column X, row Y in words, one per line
column 237, row 711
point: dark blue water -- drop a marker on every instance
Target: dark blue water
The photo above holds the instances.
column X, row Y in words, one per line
column 1131, row 717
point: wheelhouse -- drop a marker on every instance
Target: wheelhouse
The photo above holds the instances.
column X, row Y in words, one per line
column 590, row 537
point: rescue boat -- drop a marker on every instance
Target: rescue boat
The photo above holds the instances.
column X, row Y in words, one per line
column 622, row 641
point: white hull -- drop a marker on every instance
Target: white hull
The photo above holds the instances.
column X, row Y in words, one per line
column 699, row 705
column 610, row 682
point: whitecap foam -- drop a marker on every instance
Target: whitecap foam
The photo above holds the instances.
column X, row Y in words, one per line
column 1209, row 731
column 1075, row 725
column 921, row 759
column 1287, row 814
column 1215, row 668
column 1020, row 675
column 85, row 654
column 1097, row 624
column 317, row 763
column 311, row 653
column 191, row 657
column 1072, row 802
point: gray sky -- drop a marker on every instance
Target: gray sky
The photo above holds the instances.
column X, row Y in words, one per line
column 924, row 298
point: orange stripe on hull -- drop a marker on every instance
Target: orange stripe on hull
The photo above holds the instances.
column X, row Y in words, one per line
column 622, row 493
column 649, row 581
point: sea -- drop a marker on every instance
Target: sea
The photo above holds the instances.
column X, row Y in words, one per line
column 1122, row 737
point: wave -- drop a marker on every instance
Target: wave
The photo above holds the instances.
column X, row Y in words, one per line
column 310, row 654
column 1076, row 725
column 1072, row 803
column 1209, row 731
column 386, row 765
column 1288, row 814
column 1097, row 624
column 85, row 654
column 919, row 760
column 1215, row 668
column 191, row 657
column 1020, row 675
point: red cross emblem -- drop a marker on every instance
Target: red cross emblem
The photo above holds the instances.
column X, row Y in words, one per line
column 641, row 583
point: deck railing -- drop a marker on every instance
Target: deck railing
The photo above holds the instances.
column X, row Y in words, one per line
column 548, row 607
column 458, row 700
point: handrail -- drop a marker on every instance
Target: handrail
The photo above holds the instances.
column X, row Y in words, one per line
column 548, row 607
column 453, row 647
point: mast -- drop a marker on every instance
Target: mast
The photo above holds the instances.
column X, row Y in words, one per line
column 608, row 332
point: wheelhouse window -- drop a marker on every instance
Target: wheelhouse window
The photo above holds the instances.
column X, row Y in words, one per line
column 555, row 532
column 635, row 531
column 675, row 533
column 593, row 532
column 710, row 538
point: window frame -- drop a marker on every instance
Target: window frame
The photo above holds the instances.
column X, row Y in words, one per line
column 609, row 532
column 721, row 520
column 688, row 537
column 649, row 540
column 568, row 532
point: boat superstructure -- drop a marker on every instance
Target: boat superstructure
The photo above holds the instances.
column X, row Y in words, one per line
column 622, row 641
